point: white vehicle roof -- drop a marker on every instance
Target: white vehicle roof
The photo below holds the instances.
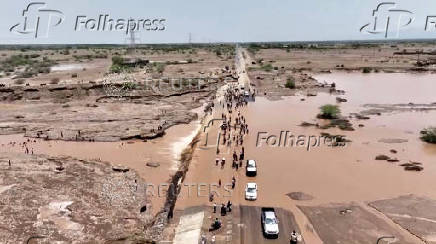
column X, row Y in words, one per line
column 251, row 185
column 270, row 215
column 251, row 163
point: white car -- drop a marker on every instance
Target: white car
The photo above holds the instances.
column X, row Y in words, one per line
column 246, row 94
column 251, row 191
column 270, row 223
column 251, row 169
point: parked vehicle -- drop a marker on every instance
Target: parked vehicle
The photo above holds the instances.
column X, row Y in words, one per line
column 251, row 191
column 270, row 223
column 251, row 169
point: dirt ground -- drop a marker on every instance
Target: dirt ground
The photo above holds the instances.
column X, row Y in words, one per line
column 350, row 224
column 62, row 199
column 413, row 213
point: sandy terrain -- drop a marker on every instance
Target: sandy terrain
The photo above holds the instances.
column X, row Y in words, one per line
column 62, row 199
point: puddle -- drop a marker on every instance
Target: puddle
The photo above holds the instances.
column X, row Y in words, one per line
column 67, row 67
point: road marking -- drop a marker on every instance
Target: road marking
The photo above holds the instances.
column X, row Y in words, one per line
column 189, row 229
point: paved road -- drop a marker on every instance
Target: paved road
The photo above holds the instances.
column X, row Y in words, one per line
column 250, row 230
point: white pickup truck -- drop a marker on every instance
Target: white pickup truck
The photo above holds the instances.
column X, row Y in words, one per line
column 270, row 223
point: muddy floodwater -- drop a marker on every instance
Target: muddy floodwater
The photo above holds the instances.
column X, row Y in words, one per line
column 348, row 173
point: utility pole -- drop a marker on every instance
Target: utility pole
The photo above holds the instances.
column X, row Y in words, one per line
column 132, row 43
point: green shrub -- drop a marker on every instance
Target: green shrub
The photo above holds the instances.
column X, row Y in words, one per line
column 329, row 111
column 429, row 135
column 290, row 83
column 366, row 70
column 129, row 86
column 117, row 60
column 160, row 67
column 267, row 67
column 116, row 69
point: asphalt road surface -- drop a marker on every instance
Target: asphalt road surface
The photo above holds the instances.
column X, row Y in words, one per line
column 249, row 230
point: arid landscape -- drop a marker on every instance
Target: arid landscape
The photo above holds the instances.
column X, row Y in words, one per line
column 117, row 144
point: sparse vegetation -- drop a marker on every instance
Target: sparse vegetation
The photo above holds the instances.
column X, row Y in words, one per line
column 129, row 86
column 267, row 67
column 118, row 65
column 31, row 64
column 366, row 70
column 329, row 111
column 159, row 67
column 290, row 83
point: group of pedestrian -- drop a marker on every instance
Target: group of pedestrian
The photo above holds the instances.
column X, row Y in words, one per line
column 232, row 131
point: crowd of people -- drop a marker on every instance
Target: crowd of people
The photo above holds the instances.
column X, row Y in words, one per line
column 232, row 131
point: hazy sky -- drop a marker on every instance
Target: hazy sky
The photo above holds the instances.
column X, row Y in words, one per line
column 216, row 21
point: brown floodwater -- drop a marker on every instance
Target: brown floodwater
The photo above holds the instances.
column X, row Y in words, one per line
column 331, row 175
column 383, row 88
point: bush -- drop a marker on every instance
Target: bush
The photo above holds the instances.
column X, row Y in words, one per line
column 74, row 75
column 366, row 70
column 129, row 86
column 429, row 135
column 160, row 67
column 290, row 83
column 116, row 69
column 117, row 60
column 55, row 81
column 329, row 111
column 267, row 67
